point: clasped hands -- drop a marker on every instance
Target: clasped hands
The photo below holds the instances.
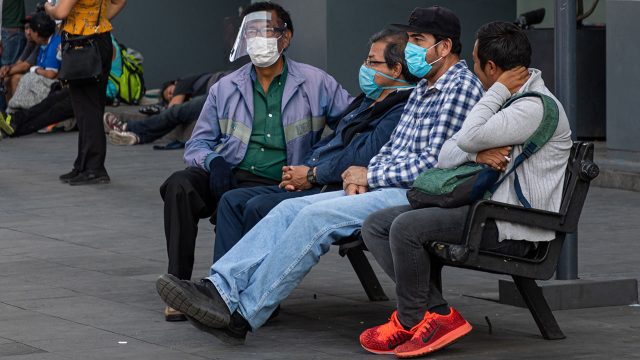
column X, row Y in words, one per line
column 294, row 178
column 354, row 180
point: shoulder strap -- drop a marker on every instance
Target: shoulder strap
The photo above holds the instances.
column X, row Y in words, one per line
column 547, row 126
column 535, row 142
column 99, row 15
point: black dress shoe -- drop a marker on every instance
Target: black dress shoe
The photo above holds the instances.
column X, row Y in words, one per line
column 233, row 334
column 90, row 177
column 201, row 302
column 68, row 176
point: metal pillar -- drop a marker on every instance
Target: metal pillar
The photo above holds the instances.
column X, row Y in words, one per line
column 565, row 77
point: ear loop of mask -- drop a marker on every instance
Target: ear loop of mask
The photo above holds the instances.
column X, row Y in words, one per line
column 432, row 46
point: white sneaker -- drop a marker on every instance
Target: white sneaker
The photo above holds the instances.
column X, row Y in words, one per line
column 112, row 122
column 123, row 138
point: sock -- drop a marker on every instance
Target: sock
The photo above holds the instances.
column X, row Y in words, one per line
column 443, row 310
column 407, row 328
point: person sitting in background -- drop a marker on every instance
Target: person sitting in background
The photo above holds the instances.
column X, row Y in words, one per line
column 11, row 74
column 185, row 98
column 36, row 85
column 56, row 107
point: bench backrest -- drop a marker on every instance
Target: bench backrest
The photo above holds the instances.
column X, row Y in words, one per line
column 580, row 171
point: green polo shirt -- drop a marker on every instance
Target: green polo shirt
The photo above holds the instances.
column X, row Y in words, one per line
column 267, row 149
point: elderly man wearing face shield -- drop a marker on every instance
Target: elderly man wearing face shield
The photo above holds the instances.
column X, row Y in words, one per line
column 256, row 120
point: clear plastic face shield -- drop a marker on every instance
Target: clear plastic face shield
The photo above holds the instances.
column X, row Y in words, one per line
column 256, row 26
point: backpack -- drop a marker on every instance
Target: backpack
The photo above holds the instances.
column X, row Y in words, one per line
column 470, row 182
column 130, row 84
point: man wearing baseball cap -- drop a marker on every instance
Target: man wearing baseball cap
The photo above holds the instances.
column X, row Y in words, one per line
column 263, row 268
column 433, row 53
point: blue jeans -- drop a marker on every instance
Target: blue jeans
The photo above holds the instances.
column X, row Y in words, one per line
column 239, row 210
column 273, row 257
column 13, row 42
column 156, row 126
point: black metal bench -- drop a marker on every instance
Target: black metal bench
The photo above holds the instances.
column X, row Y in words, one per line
column 525, row 271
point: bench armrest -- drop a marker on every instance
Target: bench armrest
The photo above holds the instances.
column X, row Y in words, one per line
column 484, row 210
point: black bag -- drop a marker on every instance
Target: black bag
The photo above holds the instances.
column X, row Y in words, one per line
column 81, row 60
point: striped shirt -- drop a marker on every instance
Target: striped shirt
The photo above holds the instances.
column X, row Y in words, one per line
column 432, row 115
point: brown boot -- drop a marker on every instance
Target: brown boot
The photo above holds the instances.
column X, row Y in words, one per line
column 171, row 314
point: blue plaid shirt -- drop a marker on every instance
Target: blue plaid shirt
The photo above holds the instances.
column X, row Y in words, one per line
column 432, row 115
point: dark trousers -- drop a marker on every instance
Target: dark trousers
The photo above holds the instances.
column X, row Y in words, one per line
column 89, row 99
column 240, row 209
column 54, row 108
column 397, row 238
column 156, row 126
column 187, row 199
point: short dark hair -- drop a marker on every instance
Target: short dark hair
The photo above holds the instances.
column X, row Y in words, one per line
column 396, row 41
column 456, row 45
column 42, row 24
column 283, row 15
column 503, row 43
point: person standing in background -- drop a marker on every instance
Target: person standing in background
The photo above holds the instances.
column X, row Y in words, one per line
column 13, row 39
column 83, row 18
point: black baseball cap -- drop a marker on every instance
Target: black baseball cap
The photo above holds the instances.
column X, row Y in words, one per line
column 434, row 20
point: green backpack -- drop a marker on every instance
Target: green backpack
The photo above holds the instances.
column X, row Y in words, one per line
column 130, row 84
column 470, row 182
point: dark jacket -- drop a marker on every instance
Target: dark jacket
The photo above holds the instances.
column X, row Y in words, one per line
column 358, row 137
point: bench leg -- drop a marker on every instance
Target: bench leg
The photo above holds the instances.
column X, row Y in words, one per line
column 366, row 275
column 537, row 304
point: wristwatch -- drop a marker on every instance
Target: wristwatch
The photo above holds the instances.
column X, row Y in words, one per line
column 311, row 176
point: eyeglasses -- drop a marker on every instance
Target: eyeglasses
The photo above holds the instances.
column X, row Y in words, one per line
column 264, row 32
column 369, row 62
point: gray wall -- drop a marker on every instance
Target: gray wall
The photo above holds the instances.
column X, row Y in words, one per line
column 623, row 121
column 309, row 19
column 175, row 37
column 333, row 34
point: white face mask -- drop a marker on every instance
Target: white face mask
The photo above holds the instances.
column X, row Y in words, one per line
column 263, row 51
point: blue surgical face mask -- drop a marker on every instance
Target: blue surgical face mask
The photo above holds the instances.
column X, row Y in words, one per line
column 416, row 58
column 369, row 86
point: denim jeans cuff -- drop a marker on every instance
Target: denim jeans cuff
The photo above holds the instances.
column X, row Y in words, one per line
column 216, row 280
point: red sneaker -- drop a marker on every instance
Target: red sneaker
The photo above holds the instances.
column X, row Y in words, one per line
column 382, row 339
column 433, row 333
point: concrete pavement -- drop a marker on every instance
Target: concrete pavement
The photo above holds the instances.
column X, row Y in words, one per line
column 78, row 265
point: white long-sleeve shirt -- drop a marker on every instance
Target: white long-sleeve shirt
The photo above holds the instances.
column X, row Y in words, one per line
column 541, row 176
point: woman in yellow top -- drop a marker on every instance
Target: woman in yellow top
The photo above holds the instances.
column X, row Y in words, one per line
column 82, row 18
